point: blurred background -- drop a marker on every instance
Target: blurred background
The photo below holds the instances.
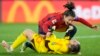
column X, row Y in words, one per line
column 31, row 11
column 18, row 15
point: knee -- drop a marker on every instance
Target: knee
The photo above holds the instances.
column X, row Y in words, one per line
column 27, row 44
column 28, row 32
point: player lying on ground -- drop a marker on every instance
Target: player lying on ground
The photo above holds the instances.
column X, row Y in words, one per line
column 60, row 22
column 49, row 45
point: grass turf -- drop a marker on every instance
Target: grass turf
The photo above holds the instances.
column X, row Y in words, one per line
column 89, row 39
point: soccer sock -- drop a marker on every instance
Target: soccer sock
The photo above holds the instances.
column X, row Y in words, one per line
column 20, row 39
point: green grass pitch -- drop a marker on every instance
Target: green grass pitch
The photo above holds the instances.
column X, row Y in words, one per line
column 89, row 39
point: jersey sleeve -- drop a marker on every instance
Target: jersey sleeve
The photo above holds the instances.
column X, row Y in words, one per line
column 47, row 26
column 83, row 21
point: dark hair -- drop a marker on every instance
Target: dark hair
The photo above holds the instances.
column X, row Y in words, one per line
column 70, row 6
column 74, row 49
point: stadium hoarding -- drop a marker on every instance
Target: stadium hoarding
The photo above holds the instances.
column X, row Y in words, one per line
column 33, row 11
column 0, row 11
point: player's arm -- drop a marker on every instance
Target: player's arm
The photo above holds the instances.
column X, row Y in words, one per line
column 48, row 27
column 85, row 23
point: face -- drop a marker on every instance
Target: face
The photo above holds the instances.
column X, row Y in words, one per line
column 68, row 19
column 74, row 46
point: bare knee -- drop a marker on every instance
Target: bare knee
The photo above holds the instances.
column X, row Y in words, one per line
column 29, row 33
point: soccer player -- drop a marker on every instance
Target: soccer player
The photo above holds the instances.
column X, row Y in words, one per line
column 41, row 45
column 60, row 22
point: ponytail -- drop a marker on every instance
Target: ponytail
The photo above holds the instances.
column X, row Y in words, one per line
column 70, row 6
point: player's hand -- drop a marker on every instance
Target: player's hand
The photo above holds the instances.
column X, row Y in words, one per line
column 95, row 27
column 48, row 34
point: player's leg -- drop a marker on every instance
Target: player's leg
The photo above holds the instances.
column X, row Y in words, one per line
column 41, row 32
column 21, row 38
column 27, row 34
column 27, row 45
column 71, row 31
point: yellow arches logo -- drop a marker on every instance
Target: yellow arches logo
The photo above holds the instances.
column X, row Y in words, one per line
column 30, row 17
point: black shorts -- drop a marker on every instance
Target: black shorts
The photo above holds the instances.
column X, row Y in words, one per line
column 40, row 30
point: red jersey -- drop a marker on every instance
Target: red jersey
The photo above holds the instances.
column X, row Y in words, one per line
column 56, row 19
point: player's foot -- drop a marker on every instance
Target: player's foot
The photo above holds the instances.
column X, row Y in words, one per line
column 6, row 46
column 23, row 47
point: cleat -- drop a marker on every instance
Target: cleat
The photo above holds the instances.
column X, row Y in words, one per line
column 6, row 46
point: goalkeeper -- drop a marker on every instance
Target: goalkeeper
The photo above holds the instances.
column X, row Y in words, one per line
column 49, row 45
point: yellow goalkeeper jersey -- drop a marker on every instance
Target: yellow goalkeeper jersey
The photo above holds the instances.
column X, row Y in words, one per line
column 59, row 45
column 55, row 44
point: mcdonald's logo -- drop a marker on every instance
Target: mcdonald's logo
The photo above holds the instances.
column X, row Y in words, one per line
column 30, row 17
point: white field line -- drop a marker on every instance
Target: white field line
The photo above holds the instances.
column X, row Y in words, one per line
column 88, row 36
